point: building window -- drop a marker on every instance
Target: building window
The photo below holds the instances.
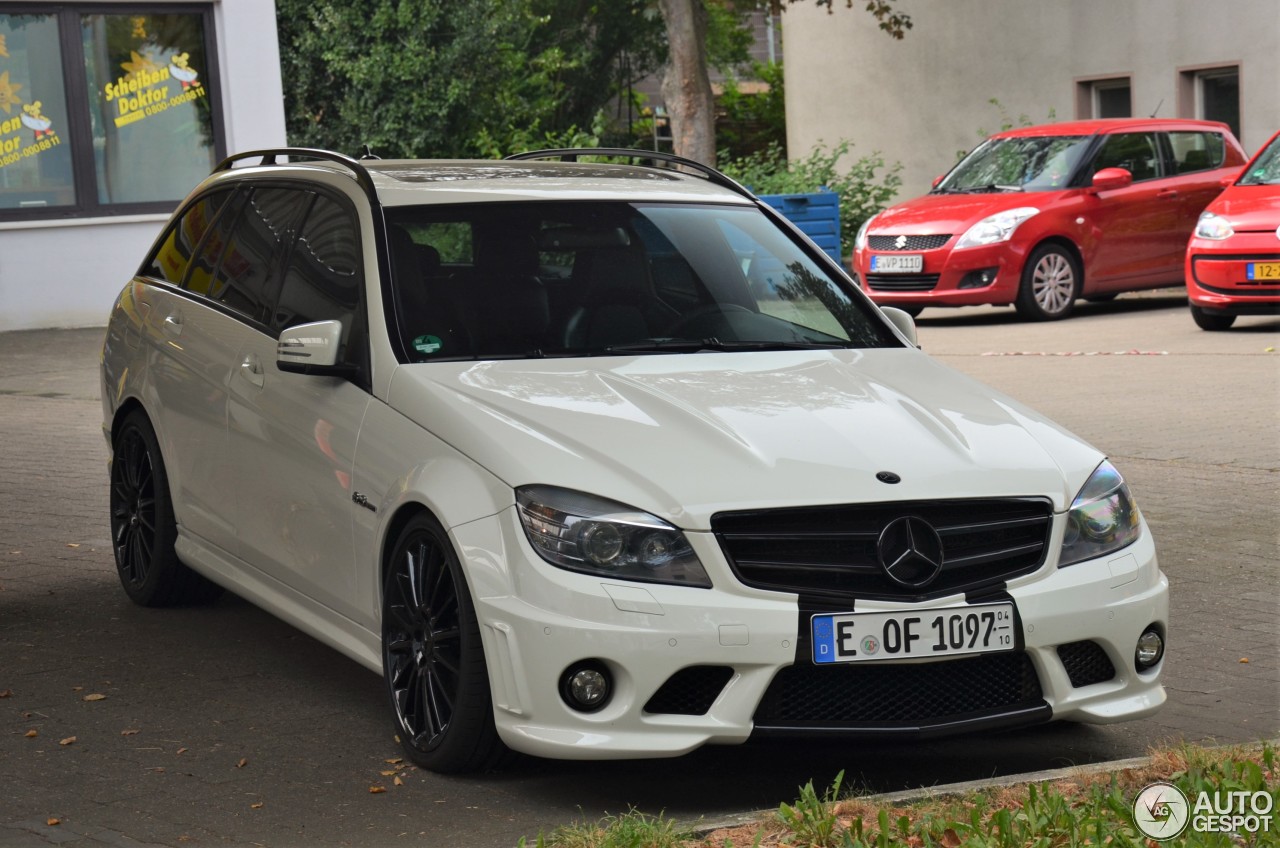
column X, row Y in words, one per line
column 1212, row 94
column 1111, row 97
column 105, row 111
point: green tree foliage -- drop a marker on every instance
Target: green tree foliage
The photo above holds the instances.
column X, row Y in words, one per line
column 865, row 187
column 750, row 123
column 452, row 78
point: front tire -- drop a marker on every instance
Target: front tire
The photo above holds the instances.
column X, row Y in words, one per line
column 1050, row 283
column 143, row 529
column 432, row 657
column 1212, row 321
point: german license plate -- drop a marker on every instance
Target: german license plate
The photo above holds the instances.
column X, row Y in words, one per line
column 897, row 263
column 947, row 632
column 1263, row 270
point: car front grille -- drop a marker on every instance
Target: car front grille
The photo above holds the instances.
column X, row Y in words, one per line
column 874, row 695
column 890, row 243
column 902, row 282
column 1086, row 663
column 690, row 691
column 832, row 552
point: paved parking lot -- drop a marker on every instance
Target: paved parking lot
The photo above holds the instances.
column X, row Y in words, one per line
column 223, row 726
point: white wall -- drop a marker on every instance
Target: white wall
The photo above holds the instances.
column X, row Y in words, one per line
column 67, row 274
column 922, row 99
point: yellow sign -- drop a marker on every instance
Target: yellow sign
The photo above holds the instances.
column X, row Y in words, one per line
column 145, row 91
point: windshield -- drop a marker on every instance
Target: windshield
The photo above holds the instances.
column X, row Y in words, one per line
column 1036, row 163
column 527, row 280
column 1264, row 170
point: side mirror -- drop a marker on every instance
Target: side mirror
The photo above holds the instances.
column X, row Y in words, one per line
column 1110, row 179
column 312, row 349
column 902, row 322
column 937, row 180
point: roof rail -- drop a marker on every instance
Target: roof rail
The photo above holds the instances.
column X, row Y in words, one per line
column 363, row 179
column 571, row 154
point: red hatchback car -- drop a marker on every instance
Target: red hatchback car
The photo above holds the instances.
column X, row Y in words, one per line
column 1040, row 216
column 1233, row 258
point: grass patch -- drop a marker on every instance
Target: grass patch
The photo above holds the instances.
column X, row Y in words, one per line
column 1088, row 809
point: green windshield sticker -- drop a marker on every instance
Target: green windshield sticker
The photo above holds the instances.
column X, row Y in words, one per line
column 427, row 344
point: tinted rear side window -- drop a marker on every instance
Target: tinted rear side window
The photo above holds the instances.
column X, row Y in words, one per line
column 1196, row 151
column 169, row 261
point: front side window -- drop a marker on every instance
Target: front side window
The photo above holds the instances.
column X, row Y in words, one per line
column 1030, row 163
column 105, row 109
column 593, row 279
column 324, row 275
column 35, row 148
column 1137, row 153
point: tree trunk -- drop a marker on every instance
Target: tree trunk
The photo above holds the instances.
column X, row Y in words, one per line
column 686, row 86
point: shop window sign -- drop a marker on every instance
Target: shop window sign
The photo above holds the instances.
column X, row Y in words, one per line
column 111, row 111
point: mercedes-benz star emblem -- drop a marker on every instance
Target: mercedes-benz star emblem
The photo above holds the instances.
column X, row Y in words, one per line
column 900, row 242
column 910, row 552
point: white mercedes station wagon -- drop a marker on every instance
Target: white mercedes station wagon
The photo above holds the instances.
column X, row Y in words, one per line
column 593, row 455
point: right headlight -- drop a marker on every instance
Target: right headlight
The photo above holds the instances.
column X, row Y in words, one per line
column 1103, row 518
column 592, row 535
column 1215, row 227
column 860, row 240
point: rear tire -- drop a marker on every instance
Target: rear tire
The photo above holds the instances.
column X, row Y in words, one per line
column 1050, row 284
column 1212, row 321
column 143, row 529
column 433, row 659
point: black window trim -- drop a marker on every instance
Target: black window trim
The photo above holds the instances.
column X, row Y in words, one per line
column 76, row 88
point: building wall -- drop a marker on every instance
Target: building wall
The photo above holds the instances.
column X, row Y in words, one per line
column 920, row 100
column 67, row 273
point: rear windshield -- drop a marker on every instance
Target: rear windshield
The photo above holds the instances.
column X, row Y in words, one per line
column 527, row 280
column 1037, row 163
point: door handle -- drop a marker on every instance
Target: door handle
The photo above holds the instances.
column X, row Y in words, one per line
column 1167, row 193
column 173, row 324
column 251, row 370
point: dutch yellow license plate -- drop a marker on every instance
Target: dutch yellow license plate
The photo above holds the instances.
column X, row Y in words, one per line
column 1263, row 270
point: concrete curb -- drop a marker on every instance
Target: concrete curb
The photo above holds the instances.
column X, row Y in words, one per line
column 704, row 827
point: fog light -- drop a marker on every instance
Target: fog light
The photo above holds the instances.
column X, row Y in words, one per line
column 1150, row 649
column 586, row 686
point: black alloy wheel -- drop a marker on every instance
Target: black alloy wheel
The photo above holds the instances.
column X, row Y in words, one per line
column 432, row 656
column 143, row 529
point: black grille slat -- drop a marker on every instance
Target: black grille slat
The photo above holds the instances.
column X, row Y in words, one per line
column 890, row 243
column 870, row 695
column 831, row 551
column 902, row 282
column 690, row 691
column 1086, row 663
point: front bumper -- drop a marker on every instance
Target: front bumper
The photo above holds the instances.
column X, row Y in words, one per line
column 1217, row 274
column 989, row 274
column 702, row 666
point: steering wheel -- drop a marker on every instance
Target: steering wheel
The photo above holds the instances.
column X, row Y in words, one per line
column 682, row 326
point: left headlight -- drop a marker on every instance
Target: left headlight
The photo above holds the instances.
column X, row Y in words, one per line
column 996, row 228
column 1215, row 227
column 592, row 535
column 1103, row 518
column 860, row 240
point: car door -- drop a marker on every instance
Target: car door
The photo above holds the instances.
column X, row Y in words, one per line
column 192, row 345
column 293, row 436
column 1130, row 226
column 1197, row 161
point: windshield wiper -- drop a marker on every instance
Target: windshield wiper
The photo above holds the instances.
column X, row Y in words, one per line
column 714, row 344
column 987, row 189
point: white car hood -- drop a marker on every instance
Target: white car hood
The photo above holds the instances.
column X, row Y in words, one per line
column 686, row 436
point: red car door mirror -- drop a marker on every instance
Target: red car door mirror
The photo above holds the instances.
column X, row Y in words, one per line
column 1110, row 179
